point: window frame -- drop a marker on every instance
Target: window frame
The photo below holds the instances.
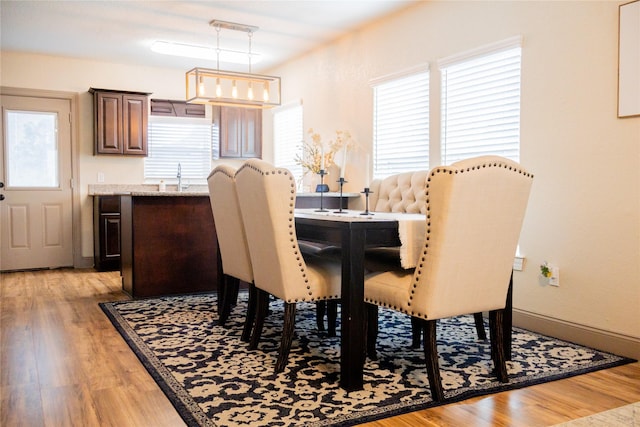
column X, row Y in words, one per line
column 297, row 137
column 193, row 173
column 504, row 123
column 419, row 130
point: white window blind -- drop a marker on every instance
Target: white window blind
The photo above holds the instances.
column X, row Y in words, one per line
column 192, row 143
column 401, row 125
column 481, row 106
column 287, row 138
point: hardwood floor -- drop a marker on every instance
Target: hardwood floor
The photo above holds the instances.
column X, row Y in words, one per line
column 63, row 364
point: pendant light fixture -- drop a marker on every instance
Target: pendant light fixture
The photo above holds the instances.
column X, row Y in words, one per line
column 218, row 87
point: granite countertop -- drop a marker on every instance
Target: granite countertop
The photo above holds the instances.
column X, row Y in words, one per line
column 145, row 190
column 192, row 190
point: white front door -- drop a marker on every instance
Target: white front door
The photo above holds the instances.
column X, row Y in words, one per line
column 35, row 172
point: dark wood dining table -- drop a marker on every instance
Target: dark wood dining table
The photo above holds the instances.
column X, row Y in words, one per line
column 353, row 233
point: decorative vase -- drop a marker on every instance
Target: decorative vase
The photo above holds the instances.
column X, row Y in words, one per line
column 332, row 177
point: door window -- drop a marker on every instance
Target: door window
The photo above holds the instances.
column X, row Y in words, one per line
column 32, row 149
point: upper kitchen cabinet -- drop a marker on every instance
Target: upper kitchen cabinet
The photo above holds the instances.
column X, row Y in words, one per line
column 171, row 108
column 120, row 122
column 240, row 132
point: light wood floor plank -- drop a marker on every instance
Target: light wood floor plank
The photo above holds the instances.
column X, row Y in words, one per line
column 62, row 363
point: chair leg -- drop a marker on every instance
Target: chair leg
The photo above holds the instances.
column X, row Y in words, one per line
column 287, row 336
column 230, row 294
column 372, row 330
column 497, row 344
column 251, row 313
column 479, row 320
column 222, row 286
column 261, row 314
column 416, row 331
column 321, row 309
column 431, row 358
column 332, row 317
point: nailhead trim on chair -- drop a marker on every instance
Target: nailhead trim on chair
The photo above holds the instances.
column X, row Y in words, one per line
column 222, row 171
column 292, row 235
column 426, row 245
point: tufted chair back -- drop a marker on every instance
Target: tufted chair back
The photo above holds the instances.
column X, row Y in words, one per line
column 474, row 213
column 475, row 210
column 228, row 221
column 267, row 198
column 404, row 192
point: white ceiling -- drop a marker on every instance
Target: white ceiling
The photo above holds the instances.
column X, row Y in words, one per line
column 123, row 31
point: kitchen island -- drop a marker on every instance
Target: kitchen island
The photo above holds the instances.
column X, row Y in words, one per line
column 168, row 242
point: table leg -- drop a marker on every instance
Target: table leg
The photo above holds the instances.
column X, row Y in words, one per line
column 507, row 321
column 353, row 310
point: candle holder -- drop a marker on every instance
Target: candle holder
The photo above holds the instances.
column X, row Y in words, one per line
column 366, row 193
column 340, row 181
column 322, row 188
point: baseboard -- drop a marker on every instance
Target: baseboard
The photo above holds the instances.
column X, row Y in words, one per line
column 621, row 345
column 84, row 262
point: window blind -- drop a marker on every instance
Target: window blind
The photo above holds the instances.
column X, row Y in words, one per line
column 401, row 125
column 481, row 106
column 287, row 137
column 192, row 143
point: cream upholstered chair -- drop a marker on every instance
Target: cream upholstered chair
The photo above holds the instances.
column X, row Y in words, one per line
column 232, row 241
column 400, row 193
column 406, row 193
column 267, row 198
column 475, row 210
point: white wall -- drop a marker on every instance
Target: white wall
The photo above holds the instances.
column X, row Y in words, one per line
column 74, row 75
column 584, row 211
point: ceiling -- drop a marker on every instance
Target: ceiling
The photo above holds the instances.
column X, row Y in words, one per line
column 123, row 31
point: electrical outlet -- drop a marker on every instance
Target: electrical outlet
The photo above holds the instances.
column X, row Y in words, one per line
column 554, row 280
column 100, row 176
column 518, row 263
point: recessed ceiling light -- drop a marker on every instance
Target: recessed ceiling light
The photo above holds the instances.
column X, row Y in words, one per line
column 204, row 52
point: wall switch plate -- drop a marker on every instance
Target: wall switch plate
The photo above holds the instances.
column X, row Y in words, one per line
column 100, row 176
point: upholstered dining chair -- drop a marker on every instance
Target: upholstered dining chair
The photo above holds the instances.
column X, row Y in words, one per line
column 475, row 209
column 232, row 240
column 404, row 192
column 267, row 200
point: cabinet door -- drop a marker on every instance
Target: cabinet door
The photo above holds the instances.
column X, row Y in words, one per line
column 230, row 132
column 106, row 233
column 108, row 123
column 111, row 229
column 252, row 133
column 240, row 132
column 134, row 120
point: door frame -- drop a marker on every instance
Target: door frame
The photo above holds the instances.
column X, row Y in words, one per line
column 72, row 97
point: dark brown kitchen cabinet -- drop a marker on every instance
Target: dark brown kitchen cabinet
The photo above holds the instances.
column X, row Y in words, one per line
column 106, row 228
column 240, row 132
column 169, row 245
column 120, row 122
column 171, row 108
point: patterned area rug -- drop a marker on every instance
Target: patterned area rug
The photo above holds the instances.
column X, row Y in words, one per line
column 213, row 380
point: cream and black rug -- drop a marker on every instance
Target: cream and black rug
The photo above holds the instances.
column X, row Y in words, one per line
column 213, row 380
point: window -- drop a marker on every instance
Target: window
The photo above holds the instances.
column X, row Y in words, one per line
column 481, row 104
column 288, row 137
column 32, row 149
column 401, row 124
column 192, row 143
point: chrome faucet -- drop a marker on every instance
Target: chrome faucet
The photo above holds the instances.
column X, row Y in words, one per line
column 179, row 177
